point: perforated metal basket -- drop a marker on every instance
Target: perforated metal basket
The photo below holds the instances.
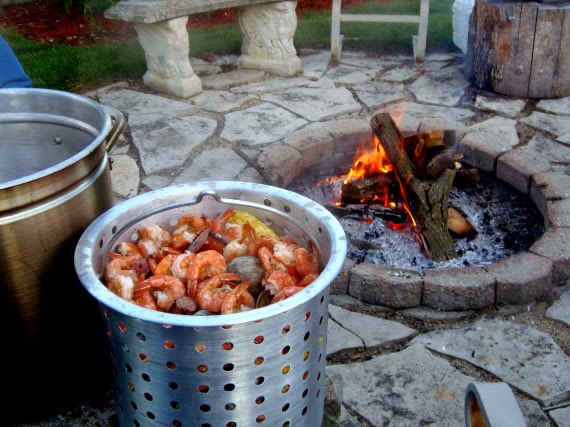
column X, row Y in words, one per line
column 261, row 367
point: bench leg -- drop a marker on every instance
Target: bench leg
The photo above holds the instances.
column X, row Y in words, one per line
column 167, row 50
column 335, row 30
column 267, row 38
column 422, row 32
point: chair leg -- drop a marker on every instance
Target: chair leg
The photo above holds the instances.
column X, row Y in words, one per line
column 335, row 30
column 422, row 32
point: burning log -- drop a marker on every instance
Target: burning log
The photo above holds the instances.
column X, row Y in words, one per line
column 365, row 190
column 427, row 198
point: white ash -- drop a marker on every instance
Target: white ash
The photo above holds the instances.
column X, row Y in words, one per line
column 507, row 223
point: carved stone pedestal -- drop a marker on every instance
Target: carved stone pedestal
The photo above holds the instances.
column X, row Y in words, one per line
column 167, row 50
column 267, row 38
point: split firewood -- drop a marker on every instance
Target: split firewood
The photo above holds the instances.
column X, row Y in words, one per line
column 365, row 189
column 459, row 226
column 368, row 212
column 439, row 163
column 423, row 147
column 427, row 199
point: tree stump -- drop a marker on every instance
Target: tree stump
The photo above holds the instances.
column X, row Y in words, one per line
column 520, row 48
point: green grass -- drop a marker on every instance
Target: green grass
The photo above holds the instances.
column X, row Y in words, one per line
column 79, row 68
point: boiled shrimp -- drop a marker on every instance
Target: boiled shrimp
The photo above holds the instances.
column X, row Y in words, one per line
column 180, row 265
column 128, row 249
column 269, row 262
column 255, row 242
column 271, row 265
column 307, row 280
column 238, row 300
column 285, row 253
column 286, row 293
column 234, row 249
column 165, row 265
column 212, row 294
column 224, row 278
column 206, row 264
column 187, row 229
column 276, row 281
column 145, row 299
column 307, row 261
column 166, row 289
column 122, row 273
column 218, row 225
column 152, row 238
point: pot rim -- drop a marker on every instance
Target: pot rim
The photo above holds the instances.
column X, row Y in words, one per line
column 75, row 158
column 92, row 238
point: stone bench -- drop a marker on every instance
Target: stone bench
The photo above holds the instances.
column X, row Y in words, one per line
column 267, row 28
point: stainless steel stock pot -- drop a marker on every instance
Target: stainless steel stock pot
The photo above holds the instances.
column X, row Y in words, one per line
column 54, row 180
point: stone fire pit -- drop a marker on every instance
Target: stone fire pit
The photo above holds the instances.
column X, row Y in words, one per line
column 515, row 280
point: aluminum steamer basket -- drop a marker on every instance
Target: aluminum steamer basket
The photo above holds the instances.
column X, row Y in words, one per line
column 261, row 367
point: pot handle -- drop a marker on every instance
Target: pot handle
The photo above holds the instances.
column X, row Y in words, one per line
column 118, row 127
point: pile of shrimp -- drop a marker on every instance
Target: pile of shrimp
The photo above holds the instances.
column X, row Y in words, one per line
column 184, row 271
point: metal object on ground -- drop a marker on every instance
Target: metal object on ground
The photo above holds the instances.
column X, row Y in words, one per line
column 265, row 366
column 54, row 180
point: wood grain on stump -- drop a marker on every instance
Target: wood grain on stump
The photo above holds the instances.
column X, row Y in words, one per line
column 520, row 48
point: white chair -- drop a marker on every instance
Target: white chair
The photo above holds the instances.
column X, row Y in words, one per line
column 419, row 41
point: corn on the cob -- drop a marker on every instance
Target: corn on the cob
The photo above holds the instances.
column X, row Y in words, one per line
column 261, row 229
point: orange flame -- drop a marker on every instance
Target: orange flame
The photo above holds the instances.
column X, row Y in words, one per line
column 369, row 161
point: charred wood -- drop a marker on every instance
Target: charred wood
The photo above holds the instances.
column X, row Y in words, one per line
column 368, row 212
column 365, row 190
column 439, row 163
column 466, row 178
column 427, row 199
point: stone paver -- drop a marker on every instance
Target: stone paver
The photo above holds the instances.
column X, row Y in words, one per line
column 328, row 103
column 252, row 127
column 232, row 78
column 125, row 176
column 165, row 142
column 373, row 332
column 219, row 164
column 221, row 101
column 267, row 122
column 557, row 125
column 376, row 94
column 505, row 106
column 441, row 87
column 559, row 310
column 350, row 75
column 132, row 102
column 556, row 106
column 398, row 389
column 524, row 357
column 412, row 116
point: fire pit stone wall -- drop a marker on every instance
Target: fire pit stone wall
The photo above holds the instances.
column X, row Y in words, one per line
column 515, row 280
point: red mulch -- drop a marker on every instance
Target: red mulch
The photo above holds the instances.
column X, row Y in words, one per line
column 51, row 22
